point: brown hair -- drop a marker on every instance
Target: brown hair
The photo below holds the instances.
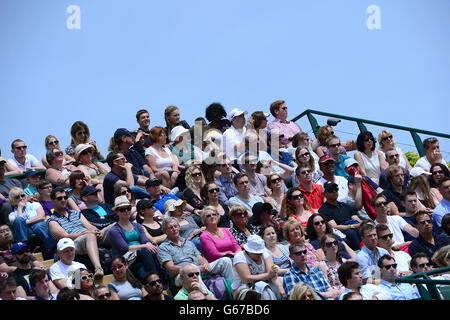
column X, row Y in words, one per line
column 275, row 106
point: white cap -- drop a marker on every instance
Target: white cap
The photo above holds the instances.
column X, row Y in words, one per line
column 65, row 243
column 235, row 113
column 348, row 162
column 255, row 244
column 417, row 171
column 176, row 132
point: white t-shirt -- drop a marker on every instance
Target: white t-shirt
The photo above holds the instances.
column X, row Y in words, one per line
column 231, row 138
column 396, row 224
column 162, row 163
column 30, row 162
column 342, row 184
column 425, row 164
column 59, row 270
column 242, row 257
column 29, row 212
column 402, row 260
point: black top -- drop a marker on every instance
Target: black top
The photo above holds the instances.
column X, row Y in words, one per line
column 420, row 245
column 392, row 195
column 340, row 213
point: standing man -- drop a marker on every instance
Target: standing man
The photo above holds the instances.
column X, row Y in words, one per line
column 281, row 125
column 21, row 159
column 233, row 137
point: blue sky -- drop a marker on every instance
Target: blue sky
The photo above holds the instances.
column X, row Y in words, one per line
column 135, row 54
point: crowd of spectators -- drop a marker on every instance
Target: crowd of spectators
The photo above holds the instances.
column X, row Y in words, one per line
column 232, row 207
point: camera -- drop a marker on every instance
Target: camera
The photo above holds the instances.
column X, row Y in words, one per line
column 333, row 122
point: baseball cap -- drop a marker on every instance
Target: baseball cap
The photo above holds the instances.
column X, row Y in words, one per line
column 31, row 173
column 88, row 190
column 330, row 186
column 349, row 162
column 325, row 158
column 235, row 113
column 152, row 182
column 16, row 247
column 122, row 132
column 417, row 171
column 65, row 243
column 144, row 204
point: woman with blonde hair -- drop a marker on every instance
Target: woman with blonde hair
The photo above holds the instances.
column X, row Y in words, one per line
column 442, row 257
column 303, row 291
column 80, row 134
column 195, row 180
column 386, row 141
column 172, row 118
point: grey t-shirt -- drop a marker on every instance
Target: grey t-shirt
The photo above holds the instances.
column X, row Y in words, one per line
column 7, row 185
column 125, row 290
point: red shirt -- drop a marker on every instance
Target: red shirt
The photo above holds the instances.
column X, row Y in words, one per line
column 315, row 197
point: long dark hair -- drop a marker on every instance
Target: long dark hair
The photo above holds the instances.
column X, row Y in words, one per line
column 310, row 232
column 363, row 136
column 444, row 168
column 135, row 283
column 323, row 240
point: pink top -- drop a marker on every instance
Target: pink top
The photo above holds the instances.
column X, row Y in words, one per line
column 213, row 248
column 288, row 128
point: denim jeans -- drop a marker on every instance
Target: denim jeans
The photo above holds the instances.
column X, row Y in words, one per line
column 22, row 231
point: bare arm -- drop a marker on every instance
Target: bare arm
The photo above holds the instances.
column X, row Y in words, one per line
column 362, row 168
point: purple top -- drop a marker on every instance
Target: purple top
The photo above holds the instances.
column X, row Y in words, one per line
column 117, row 238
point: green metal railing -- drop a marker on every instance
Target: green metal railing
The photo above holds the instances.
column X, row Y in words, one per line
column 361, row 125
column 423, row 278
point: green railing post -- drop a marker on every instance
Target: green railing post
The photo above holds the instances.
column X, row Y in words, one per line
column 314, row 124
column 361, row 126
column 418, row 143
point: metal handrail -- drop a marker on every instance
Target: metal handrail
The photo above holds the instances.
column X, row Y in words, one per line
column 361, row 125
column 424, row 278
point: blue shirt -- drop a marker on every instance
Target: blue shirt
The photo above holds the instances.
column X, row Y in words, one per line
column 440, row 211
column 368, row 264
column 315, row 278
column 227, row 188
column 400, row 291
column 159, row 205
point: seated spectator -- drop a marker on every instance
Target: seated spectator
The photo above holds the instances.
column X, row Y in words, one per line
column 68, row 294
column 326, row 164
column 302, row 272
column 58, row 173
column 277, row 192
column 386, row 141
column 293, row 232
column 428, row 197
column 241, row 228
column 432, row 154
column 73, row 225
column 77, row 181
column 62, row 271
column 175, row 252
column 258, row 182
column 80, row 134
column 190, row 281
column 102, row 292
column 172, row 118
column 312, row 192
column 281, row 125
column 125, row 286
column 392, row 157
column 437, row 170
column 303, row 155
column 371, row 160
column 210, row 193
column 52, row 142
column 128, row 238
column 360, row 192
column 96, row 170
column 444, row 206
column 233, row 138
column 32, row 177
column 333, row 144
column 189, row 229
column 368, row 256
column 333, row 260
column 28, row 218
column 243, row 197
column 341, row 216
column 253, row 265
column 215, row 114
column 41, row 285
column 146, row 217
column 396, row 291
column 83, row 282
column 420, row 263
column 317, row 227
column 427, row 241
column 303, row 291
column 319, row 145
column 445, row 225
column 22, row 254
column 297, row 206
column 385, row 241
column 195, row 180
column 278, row 252
column 216, row 242
column 44, row 188
column 183, row 148
column 352, row 279
column 396, row 224
column 8, row 289
column 302, row 139
column 6, row 184
column 154, row 287
column 263, row 213
column 225, row 182
column 155, row 190
column 160, row 159
column 120, row 173
column 23, row 160
column 10, row 169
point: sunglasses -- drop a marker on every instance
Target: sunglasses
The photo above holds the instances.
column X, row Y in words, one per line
column 305, row 171
column 299, row 253
column 369, row 139
column 120, row 158
column 197, row 174
column 86, row 152
column 422, row 222
column 335, row 145
column 87, row 276
column 81, row 132
column 154, row 282
column 386, row 236
column 284, row 108
column 275, row 180
column 392, row 156
column 21, row 147
column 226, row 164
column 104, row 296
column 211, row 215
column 58, row 153
column 20, row 196
column 319, row 222
column 330, row 244
column 240, row 214
column 423, row 265
column 388, row 266
column 118, row 267
column 381, row 204
column 332, row 189
column 303, row 155
column 386, row 138
column 297, row 196
column 124, row 209
column 214, row 190
column 61, row 198
column 53, row 142
column 437, row 172
column 124, row 192
column 191, row 274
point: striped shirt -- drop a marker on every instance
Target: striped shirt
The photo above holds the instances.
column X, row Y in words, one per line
column 71, row 223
